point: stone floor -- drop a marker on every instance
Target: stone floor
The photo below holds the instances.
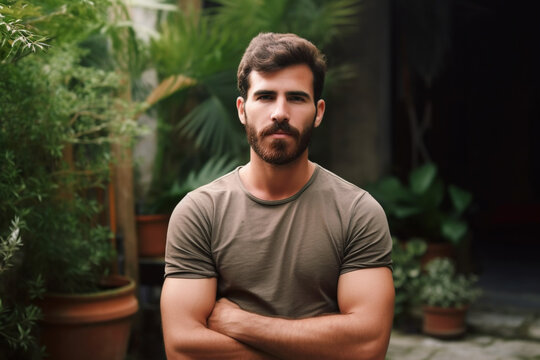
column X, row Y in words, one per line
column 504, row 324
column 474, row 347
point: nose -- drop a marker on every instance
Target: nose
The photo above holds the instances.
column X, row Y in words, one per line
column 281, row 112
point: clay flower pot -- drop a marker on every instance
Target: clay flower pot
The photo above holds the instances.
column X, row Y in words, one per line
column 444, row 322
column 152, row 234
column 89, row 326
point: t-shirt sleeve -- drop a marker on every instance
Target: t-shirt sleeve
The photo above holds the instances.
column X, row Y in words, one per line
column 188, row 252
column 369, row 242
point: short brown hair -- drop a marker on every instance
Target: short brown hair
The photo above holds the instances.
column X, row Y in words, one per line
column 268, row 52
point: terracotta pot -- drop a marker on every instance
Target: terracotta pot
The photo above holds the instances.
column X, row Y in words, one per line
column 152, row 234
column 89, row 326
column 444, row 322
column 437, row 250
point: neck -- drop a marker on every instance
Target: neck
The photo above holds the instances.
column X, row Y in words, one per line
column 276, row 182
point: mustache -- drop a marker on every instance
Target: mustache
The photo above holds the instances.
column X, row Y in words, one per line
column 284, row 127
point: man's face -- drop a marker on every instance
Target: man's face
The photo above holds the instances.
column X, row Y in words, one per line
column 279, row 113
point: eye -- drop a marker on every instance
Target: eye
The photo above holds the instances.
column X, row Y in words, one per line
column 264, row 97
column 297, row 98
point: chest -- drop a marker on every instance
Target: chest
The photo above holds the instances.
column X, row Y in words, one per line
column 299, row 246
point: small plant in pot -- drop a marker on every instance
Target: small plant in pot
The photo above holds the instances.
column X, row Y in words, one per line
column 445, row 296
column 407, row 273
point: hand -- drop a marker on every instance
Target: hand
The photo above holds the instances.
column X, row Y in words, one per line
column 223, row 316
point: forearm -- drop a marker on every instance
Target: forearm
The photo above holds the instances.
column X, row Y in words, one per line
column 185, row 307
column 200, row 342
column 340, row 336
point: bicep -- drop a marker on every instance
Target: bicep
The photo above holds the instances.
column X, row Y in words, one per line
column 368, row 295
column 186, row 303
column 372, row 289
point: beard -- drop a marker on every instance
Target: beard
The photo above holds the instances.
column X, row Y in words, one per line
column 279, row 151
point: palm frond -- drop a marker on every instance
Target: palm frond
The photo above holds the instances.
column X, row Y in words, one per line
column 322, row 22
column 209, row 124
column 212, row 169
column 190, row 45
column 168, row 87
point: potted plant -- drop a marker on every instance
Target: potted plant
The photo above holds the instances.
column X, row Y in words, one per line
column 58, row 119
column 425, row 208
column 445, row 296
column 406, row 274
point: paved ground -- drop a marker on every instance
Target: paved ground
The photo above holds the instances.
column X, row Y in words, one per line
column 501, row 326
column 473, row 347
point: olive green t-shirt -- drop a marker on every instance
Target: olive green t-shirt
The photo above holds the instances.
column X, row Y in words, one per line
column 278, row 258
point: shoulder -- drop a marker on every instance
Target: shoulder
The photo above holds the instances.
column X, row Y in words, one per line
column 352, row 201
column 343, row 190
column 329, row 181
column 217, row 188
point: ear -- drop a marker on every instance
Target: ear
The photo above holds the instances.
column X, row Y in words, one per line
column 240, row 103
column 321, row 105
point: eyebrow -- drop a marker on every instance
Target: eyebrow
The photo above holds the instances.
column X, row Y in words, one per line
column 288, row 93
column 264, row 92
column 299, row 93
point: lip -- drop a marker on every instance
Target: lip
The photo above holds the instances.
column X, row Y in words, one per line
column 280, row 135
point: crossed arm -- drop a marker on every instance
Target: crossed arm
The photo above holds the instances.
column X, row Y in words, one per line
column 197, row 327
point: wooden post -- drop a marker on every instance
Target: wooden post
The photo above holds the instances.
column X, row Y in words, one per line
column 123, row 161
column 125, row 207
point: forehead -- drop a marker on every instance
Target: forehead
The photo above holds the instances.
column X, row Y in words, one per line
column 292, row 78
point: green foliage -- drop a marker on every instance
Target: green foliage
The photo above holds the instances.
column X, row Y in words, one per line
column 32, row 26
column 426, row 208
column 58, row 119
column 200, row 120
column 9, row 246
column 406, row 274
column 211, row 170
column 65, row 106
column 16, row 39
column 18, row 316
column 442, row 286
column 51, row 105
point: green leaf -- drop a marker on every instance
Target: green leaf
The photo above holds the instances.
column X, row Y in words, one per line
column 404, row 211
column 209, row 125
column 422, row 178
column 432, row 198
column 416, row 246
column 389, row 189
column 212, row 169
column 461, row 199
column 454, row 230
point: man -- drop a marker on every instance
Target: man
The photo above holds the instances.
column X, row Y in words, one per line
column 297, row 258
